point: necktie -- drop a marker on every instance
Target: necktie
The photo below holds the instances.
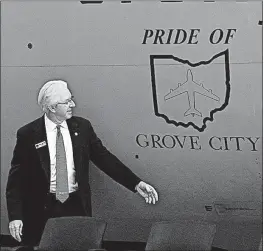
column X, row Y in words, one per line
column 62, row 190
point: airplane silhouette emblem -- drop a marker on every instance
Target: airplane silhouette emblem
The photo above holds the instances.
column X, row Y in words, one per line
column 190, row 87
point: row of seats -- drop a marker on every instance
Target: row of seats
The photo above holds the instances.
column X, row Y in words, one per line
column 86, row 233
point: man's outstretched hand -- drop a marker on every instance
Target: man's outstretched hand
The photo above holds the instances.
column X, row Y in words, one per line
column 147, row 192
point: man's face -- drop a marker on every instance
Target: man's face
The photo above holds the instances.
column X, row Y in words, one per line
column 64, row 105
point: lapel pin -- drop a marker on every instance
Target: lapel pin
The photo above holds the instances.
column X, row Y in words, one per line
column 76, row 133
column 41, row 144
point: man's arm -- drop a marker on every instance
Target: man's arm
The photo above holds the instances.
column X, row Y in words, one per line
column 113, row 167
column 110, row 164
column 14, row 189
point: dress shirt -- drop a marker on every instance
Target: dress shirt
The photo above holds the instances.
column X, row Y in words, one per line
column 51, row 130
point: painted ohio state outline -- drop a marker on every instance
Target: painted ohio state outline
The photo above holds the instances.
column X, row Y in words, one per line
column 224, row 53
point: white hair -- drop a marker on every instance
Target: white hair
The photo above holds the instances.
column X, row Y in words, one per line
column 48, row 93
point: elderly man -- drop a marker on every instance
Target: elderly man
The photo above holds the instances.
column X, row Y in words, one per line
column 49, row 175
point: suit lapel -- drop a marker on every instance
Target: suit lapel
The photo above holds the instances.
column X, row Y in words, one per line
column 40, row 136
column 76, row 144
column 41, row 144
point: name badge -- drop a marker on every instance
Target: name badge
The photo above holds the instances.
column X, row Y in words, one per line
column 41, row 144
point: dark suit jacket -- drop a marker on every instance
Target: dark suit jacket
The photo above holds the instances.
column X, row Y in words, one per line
column 29, row 177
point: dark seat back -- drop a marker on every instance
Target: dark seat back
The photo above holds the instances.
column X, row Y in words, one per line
column 72, row 233
column 183, row 235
